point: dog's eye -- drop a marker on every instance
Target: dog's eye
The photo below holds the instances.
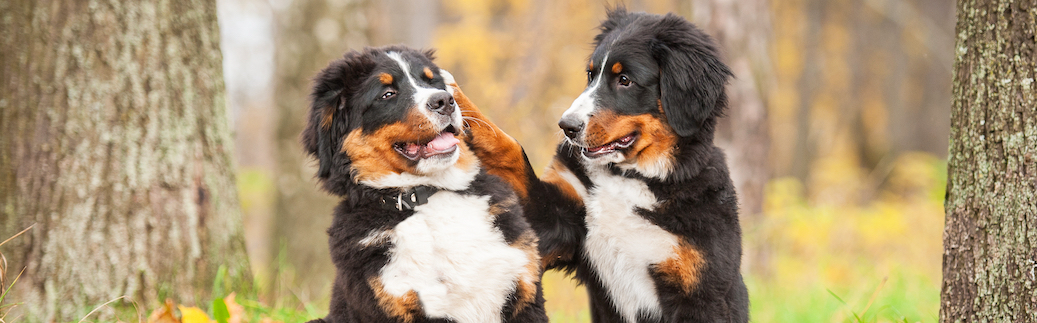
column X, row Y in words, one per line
column 589, row 76
column 624, row 81
column 388, row 94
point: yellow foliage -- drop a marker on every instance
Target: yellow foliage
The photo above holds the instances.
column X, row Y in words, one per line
column 193, row 315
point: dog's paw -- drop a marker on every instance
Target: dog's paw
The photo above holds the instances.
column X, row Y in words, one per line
column 448, row 78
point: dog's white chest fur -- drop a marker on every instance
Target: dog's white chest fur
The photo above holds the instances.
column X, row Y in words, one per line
column 452, row 256
column 621, row 245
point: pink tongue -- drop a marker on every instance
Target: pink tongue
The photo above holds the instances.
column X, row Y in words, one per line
column 412, row 149
column 442, row 142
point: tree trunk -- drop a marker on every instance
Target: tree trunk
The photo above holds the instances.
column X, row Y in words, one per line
column 309, row 35
column 990, row 237
column 115, row 143
column 742, row 27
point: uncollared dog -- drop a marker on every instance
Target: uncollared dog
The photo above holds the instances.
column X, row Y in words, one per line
column 637, row 203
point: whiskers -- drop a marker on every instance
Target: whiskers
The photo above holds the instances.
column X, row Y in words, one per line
column 477, row 121
column 566, row 139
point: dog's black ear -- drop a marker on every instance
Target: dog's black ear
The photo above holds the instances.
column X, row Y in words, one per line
column 691, row 75
column 330, row 112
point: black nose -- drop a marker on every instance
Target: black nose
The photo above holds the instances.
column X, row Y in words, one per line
column 571, row 126
column 442, row 103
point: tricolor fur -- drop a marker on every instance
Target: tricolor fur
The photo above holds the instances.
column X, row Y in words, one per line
column 638, row 202
column 383, row 122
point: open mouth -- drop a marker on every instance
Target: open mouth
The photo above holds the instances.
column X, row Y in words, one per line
column 621, row 143
column 443, row 144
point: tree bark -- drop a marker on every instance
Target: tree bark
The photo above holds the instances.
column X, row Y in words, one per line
column 990, row 237
column 115, row 143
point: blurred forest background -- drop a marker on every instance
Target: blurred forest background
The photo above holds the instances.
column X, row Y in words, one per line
column 837, row 136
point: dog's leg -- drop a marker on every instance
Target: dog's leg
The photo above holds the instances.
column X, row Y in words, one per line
column 553, row 205
column 498, row 152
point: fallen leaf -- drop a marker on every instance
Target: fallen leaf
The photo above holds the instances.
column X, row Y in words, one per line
column 237, row 312
column 193, row 315
column 164, row 314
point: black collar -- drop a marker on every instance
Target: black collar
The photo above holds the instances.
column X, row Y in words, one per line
column 408, row 199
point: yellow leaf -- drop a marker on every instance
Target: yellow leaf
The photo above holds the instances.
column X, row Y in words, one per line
column 193, row 315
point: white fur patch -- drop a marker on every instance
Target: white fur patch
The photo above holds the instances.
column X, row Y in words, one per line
column 452, row 256
column 438, row 163
column 660, row 168
column 451, row 178
column 621, row 245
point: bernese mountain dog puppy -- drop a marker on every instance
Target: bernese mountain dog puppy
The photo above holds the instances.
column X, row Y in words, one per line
column 637, row 203
column 423, row 233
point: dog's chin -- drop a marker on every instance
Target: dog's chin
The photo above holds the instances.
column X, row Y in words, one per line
column 438, row 163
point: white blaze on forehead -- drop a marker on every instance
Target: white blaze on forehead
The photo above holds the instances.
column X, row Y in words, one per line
column 421, row 93
column 584, row 104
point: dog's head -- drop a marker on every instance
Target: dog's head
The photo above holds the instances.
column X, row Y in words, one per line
column 651, row 82
column 382, row 117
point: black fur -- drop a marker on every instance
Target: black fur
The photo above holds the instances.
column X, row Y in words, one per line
column 350, row 87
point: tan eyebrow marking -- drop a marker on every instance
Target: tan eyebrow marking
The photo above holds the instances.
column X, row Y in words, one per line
column 617, row 68
column 385, row 78
column 428, row 72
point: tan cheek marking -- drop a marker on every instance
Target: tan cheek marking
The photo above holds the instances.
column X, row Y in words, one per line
column 553, row 177
column 500, row 154
column 404, row 308
column 385, row 78
column 657, row 137
column 372, row 154
column 684, row 268
column 428, row 72
column 602, row 128
column 657, row 141
column 526, row 289
column 617, row 68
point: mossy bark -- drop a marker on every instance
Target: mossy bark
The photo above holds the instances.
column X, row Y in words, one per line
column 990, row 237
column 115, row 143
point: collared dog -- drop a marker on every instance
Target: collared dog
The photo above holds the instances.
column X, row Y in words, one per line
column 637, row 202
column 423, row 233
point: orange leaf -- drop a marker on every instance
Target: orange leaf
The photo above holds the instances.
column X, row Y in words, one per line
column 164, row 314
column 237, row 312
